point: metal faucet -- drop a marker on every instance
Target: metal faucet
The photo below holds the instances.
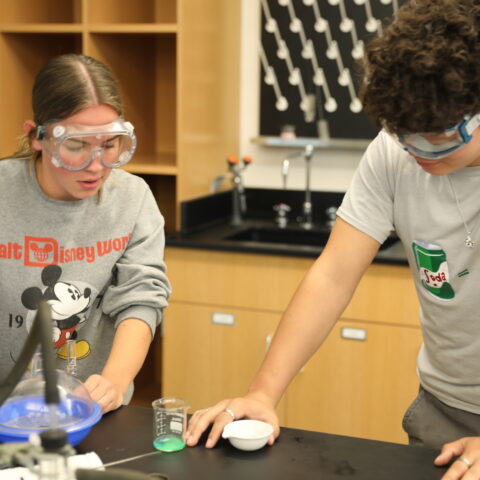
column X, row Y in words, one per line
column 307, row 209
column 285, row 167
column 239, row 201
column 331, row 213
column 306, row 220
column 282, row 210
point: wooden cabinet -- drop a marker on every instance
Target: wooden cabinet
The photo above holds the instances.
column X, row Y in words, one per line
column 205, row 360
column 178, row 66
column 358, row 387
column 359, row 382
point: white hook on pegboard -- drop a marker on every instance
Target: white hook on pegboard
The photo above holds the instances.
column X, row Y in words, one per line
column 358, row 49
column 319, row 79
column 372, row 23
column 270, row 78
column 346, row 23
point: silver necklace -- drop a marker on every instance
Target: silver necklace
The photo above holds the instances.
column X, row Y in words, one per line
column 468, row 239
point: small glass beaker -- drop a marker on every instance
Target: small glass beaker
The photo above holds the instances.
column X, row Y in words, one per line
column 169, row 424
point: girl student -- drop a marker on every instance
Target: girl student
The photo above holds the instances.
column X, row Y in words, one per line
column 87, row 237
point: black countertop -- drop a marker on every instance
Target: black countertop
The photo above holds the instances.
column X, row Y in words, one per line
column 206, row 225
column 297, row 455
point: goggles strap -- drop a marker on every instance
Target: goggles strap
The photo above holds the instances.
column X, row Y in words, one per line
column 41, row 132
column 470, row 126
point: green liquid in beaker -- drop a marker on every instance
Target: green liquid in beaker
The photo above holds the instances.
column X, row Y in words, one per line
column 169, row 444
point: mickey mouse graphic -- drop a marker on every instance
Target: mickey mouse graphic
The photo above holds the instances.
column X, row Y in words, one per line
column 68, row 306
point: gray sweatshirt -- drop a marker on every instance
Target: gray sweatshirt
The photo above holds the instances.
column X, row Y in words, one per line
column 96, row 261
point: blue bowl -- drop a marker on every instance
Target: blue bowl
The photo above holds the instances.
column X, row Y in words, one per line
column 22, row 416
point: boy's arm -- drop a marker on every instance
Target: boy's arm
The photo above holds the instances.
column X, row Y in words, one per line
column 319, row 301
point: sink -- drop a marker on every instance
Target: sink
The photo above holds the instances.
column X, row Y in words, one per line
column 290, row 236
column 287, row 236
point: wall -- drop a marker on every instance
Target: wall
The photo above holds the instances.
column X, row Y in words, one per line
column 332, row 169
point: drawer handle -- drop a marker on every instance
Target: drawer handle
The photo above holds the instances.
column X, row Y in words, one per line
column 221, row 318
column 350, row 333
column 268, row 341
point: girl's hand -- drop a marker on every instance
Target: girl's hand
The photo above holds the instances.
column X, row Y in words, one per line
column 104, row 392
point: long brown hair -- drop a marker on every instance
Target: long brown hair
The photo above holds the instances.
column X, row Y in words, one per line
column 65, row 85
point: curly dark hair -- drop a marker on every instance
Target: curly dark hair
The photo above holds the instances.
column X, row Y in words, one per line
column 423, row 73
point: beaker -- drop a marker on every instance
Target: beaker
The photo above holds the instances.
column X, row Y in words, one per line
column 169, row 423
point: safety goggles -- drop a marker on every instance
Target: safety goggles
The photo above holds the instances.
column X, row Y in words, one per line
column 75, row 146
column 435, row 145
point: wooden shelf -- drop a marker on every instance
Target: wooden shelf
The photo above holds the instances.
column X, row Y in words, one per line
column 41, row 28
column 149, row 91
column 40, row 11
column 133, row 28
column 128, row 11
column 155, row 28
column 162, row 164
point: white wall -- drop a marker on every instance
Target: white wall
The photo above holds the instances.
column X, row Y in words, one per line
column 332, row 169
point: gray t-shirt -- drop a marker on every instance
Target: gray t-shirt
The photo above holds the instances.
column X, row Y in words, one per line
column 390, row 192
column 96, row 261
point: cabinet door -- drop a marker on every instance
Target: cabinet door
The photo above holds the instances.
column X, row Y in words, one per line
column 358, row 387
column 203, row 361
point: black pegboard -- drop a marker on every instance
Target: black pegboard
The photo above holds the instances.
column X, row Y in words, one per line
column 343, row 123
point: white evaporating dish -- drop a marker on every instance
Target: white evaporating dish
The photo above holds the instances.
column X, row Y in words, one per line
column 248, row 434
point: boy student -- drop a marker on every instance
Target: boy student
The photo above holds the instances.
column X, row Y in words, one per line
column 420, row 177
